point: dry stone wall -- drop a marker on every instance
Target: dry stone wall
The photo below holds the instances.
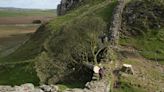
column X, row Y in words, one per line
column 29, row 88
column 116, row 22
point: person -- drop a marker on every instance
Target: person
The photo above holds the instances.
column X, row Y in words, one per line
column 101, row 73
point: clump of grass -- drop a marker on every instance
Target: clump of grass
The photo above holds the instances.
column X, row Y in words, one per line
column 125, row 87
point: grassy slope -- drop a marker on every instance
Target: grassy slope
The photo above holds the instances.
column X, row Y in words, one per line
column 146, row 46
column 150, row 46
column 105, row 13
column 12, row 36
column 14, row 69
column 144, row 35
column 16, row 74
column 32, row 48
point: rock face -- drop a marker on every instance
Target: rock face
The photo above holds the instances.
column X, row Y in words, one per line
column 66, row 5
column 29, row 88
column 142, row 15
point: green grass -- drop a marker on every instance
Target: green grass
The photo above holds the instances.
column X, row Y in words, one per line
column 125, row 87
column 33, row 47
column 19, row 13
column 30, row 49
column 150, row 45
column 18, row 74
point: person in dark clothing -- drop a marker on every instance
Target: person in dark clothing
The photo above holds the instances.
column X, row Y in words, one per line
column 101, row 73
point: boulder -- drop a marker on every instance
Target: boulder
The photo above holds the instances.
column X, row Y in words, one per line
column 6, row 89
column 45, row 88
column 24, row 88
column 49, row 88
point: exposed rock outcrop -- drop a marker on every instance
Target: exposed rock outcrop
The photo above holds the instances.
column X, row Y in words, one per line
column 141, row 16
column 66, row 5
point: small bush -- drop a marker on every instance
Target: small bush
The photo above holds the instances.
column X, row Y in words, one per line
column 37, row 22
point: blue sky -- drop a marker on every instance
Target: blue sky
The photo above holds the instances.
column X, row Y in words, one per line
column 36, row 4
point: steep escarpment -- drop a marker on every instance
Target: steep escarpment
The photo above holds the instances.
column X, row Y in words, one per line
column 67, row 5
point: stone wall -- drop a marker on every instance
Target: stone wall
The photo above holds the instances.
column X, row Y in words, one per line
column 93, row 86
column 29, row 88
column 116, row 22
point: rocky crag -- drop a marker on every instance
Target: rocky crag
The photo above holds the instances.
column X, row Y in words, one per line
column 67, row 5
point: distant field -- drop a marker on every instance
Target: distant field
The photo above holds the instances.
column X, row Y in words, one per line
column 23, row 12
column 14, row 35
column 15, row 28
column 16, row 25
column 11, row 37
column 23, row 20
column 23, row 16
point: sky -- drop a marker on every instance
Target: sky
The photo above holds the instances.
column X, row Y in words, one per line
column 35, row 4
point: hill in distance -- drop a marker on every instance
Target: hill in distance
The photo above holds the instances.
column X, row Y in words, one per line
column 14, row 12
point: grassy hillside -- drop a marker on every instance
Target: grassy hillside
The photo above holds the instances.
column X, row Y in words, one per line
column 145, row 32
column 57, row 50
column 40, row 41
column 142, row 41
